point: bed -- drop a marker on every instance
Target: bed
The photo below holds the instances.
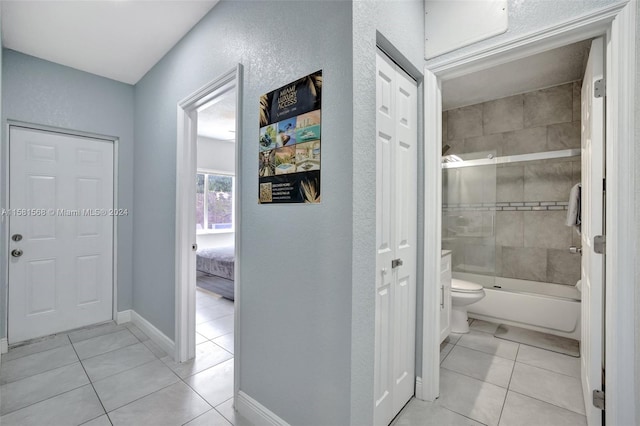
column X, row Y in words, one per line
column 215, row 268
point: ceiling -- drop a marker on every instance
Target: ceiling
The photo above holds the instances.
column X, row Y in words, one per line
column 218, row 119
column 117, row 39
column 545, row 69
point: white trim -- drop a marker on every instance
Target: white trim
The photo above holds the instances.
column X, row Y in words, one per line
column 618, row 23
column 579, row 28
column 255, row 412
column 5, row 223
column 432, row 233
column 156, row 336
column 123, row 316
column 114, row 249
column 186, row 168
column 4, row 345
column 621, row 368
column 419, row 394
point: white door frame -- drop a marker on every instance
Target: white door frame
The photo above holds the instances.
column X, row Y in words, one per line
column 5, row 222
column 618, row 24
column 185, row 284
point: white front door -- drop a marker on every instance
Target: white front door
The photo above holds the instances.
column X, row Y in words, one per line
column 61, row 232
column 396, row 217
column 592, row 226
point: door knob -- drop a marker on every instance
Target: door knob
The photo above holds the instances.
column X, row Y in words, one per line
column 16, row 252
column 575, row 250
column 16, row 237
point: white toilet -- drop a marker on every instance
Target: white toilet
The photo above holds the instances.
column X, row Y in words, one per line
column 463, row 294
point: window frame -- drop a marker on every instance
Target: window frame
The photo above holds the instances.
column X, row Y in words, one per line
column 208, row 172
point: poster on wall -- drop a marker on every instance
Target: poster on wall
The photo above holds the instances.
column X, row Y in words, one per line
column 289, row 154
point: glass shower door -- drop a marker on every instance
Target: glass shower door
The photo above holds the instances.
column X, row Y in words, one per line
column 469, row 215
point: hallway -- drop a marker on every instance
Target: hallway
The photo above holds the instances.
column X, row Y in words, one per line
column 114, row 374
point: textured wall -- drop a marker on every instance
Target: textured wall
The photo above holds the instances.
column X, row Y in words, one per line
column 529, row 16
column 295, row 259
column 637, row 207
column 41, row 92
column 400, row 22
column 524, row 234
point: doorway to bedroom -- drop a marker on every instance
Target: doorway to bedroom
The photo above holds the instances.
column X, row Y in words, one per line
column 207, row 220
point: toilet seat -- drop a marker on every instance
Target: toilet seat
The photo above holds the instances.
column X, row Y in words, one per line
column 463, row 286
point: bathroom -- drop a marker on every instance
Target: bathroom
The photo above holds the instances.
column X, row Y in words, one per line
column 509, row 164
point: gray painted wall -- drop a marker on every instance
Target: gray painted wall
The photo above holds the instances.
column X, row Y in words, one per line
column 532, row 15
column 295, row 259
column 637, row 208
column 41, row 92
column 3, row 286
column 401, row 23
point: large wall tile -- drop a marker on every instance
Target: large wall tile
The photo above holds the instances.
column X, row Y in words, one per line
column 480, row 259
column 503, row 115
column 510, row 183
column 456, row 146
column 548, row 106
column 577, row 95
column 510, row 229
column 525, row 141
column 563, row 136
column 524, row 263
column 546, row 229
column 490, row 144
column 464, row 122
column 444, row 128
column 576, row 172
column 547, row 181
column 563, row 267
column 478, row 184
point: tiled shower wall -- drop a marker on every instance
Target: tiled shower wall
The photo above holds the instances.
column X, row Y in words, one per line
column 508, row 220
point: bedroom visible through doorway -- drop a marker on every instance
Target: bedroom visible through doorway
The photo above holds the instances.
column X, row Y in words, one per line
column 215, row 227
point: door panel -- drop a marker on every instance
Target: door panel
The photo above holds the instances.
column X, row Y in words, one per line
column 396, row 217
column 64, row 278
column 592, row 225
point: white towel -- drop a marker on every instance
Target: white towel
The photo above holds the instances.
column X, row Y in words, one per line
column 574, row 211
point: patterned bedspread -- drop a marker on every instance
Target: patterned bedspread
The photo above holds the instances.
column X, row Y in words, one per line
column 217, row 261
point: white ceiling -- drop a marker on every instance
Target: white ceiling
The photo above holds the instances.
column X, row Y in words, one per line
column 117, row 39
column 545, row 69
column 218, row 119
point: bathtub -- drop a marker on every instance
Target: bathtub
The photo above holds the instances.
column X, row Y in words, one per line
column 549, row 308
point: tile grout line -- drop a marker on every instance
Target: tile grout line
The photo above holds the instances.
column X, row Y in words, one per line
column 550, row 371
column 53, row 396
column 513, row 369
column 41, row 372
column 549, row 403
column 89, row 379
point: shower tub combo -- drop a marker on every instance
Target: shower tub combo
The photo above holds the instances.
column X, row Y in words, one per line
column 545, row 307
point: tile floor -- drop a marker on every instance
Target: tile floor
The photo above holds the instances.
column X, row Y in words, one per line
column 486, row 380
column 114, row 375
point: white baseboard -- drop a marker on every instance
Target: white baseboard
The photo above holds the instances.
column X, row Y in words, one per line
column 124, row 316
column 157, row 336
column 255, row 412
column 4, row 345
column 419, row 388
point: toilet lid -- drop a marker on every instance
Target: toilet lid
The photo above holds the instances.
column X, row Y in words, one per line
column 464, row 286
